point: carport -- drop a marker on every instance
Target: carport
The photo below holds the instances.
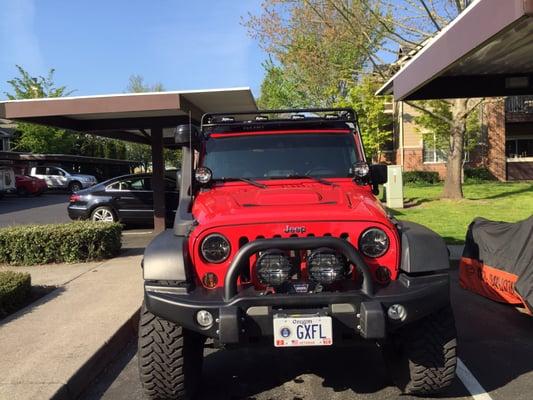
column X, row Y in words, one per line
column 485, row 52
column 148, row 118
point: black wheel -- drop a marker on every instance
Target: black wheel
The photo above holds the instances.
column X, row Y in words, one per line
column 422, row 356
column 103, row 214
column 74, row 187
column 170, row 358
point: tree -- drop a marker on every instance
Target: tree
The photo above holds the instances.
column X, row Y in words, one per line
column 373, row 121
column 143, row 152
column 319, row 53
column 330, row 44
column 38, row 138
column 136, row 84
column 410, row 24
column 279, row 90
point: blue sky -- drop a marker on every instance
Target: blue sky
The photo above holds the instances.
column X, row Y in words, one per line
column 96, row 45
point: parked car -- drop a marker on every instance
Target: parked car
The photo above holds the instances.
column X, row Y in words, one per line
column 7, row 181
column 279, row 239
column 30, row 185
column 60, row 178
column 128, row 199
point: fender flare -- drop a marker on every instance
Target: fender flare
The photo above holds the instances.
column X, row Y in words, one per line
column 166, row 258
column 422, row 249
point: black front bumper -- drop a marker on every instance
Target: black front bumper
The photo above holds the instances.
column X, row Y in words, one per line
column 249, row 315
column 245, row 315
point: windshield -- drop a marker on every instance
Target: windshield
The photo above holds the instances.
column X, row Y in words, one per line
column 326, row 155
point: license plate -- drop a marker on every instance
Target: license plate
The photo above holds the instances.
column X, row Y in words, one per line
column 302, row 331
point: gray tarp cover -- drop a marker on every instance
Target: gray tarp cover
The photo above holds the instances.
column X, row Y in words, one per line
column 506, row 246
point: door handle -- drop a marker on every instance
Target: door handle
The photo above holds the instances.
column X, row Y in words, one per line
column 127, row 198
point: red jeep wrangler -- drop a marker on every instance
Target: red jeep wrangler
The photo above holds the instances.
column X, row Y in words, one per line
column 278, row 237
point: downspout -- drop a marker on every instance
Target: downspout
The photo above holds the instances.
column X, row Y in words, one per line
column 401, row 133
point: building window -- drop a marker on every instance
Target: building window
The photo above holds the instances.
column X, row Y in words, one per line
column 519, row 148
column 432, row 154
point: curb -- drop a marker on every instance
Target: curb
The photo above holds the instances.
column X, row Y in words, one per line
column 102, row 357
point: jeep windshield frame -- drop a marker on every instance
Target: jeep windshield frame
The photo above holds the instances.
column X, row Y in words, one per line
column 316, row 154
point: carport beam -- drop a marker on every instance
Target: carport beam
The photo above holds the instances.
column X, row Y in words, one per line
column 158, row 179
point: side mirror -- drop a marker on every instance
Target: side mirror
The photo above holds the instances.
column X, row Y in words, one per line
column 378, row 174
column 184, row 134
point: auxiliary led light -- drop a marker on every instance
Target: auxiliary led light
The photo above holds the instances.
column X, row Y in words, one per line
column 204, row 318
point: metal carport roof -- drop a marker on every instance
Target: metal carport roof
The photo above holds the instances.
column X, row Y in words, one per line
column 127, row 116
column 486, row 51
column 135, row 117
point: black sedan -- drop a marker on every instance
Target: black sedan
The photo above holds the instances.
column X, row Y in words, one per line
column 128, row 199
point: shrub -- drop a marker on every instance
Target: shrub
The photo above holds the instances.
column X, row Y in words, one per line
column 478, row 175
column 73, row 242
column 15, row 289
column 421, row 177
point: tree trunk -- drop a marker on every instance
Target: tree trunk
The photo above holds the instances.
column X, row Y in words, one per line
column 452, row 185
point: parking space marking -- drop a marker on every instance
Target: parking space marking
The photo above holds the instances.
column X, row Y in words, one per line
column 137, row 233
column 470, row 382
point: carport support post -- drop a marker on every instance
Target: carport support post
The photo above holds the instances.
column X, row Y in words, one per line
column 158, row 179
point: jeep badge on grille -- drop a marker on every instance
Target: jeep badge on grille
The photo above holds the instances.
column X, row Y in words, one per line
column 294, row 229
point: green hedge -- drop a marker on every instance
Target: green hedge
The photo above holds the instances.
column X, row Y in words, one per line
column 15, row 288
column 421, row 177
column 73, row 242
column 474, row 175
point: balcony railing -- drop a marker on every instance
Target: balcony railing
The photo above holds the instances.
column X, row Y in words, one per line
column 519, row 104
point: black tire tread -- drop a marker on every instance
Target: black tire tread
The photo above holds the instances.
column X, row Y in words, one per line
column 430, row 351
column 170, row 358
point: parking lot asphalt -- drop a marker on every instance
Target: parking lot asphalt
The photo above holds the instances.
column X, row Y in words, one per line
column 49, row 208
column 495, row 347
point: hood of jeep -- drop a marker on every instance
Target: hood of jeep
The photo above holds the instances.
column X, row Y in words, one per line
column 234, row 204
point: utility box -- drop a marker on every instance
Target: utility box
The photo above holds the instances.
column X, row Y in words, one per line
column 394, row 187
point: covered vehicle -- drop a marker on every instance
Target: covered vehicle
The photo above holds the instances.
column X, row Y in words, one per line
column 30, row 185
column 497, row 261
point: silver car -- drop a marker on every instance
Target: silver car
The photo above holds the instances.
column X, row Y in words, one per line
column 60, row 178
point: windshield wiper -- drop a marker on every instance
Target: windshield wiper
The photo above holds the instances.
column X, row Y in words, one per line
column 247, row 180
column 296, row 176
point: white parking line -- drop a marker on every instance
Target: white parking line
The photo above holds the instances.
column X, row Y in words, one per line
column 137, row 233
column 470, row 382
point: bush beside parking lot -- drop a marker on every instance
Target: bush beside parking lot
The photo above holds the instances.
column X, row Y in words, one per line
column 15, row 288
column 422, row 177
column 73, row 242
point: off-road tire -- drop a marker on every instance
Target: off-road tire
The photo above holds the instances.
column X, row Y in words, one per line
column 170, row 358
column 422, row 356
column 74, row 186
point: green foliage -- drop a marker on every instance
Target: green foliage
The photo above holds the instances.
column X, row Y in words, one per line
column 436, row 131
column 420, row 177
column 136, row 84
column 73, row 242
column 15, row 288
column 370, row 109
column 475, row 175
column 279, row 90
column 38, row 138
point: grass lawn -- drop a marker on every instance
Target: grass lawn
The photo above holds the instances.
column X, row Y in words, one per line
column 497, row 201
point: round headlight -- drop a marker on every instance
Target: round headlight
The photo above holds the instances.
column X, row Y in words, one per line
column 215, row 248
column 374, row 242
column 203, row 175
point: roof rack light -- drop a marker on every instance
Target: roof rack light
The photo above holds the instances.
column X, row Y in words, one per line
column 297, row 116
column 332, row 116
column 228, row 119
column 261, row 118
